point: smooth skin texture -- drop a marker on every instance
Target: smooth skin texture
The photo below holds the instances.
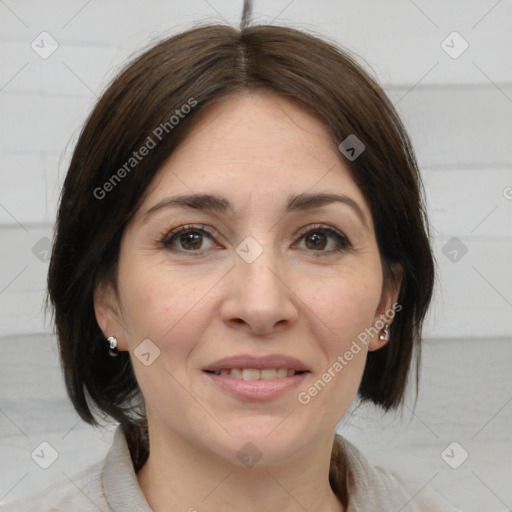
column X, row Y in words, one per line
column 307, row 295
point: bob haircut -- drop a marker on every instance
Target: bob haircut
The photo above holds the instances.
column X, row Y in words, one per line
column 161, row 91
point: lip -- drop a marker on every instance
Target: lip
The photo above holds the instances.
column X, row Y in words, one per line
column 258, row 363
column 257, row 389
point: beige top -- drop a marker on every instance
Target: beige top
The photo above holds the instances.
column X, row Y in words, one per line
column 112, row 486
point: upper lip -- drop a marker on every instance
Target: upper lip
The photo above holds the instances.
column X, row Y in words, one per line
column 257, row 362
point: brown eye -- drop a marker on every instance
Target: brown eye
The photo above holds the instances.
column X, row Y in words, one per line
column 188, row 239
column 191, row 241
column 324, row 241
column 316, row 241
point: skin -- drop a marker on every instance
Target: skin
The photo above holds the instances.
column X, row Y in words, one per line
column 297, row 298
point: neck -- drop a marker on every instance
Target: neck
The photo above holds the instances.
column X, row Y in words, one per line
column 181, row 476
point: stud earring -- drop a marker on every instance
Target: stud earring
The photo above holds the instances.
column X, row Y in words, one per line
column 112, row 348
column 384, row 334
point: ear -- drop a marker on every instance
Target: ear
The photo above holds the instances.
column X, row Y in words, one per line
column 388, row 307
column 107, row 311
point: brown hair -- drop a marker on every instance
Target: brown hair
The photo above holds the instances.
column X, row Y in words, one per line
column 205, row 64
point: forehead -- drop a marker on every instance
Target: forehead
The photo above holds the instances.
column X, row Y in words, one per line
column 259, row 127
column 260, row 142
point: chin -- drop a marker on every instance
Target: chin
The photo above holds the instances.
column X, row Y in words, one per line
column 265, row 441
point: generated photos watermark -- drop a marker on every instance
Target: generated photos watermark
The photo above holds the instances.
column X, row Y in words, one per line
column 157, row 135
column 362, row 339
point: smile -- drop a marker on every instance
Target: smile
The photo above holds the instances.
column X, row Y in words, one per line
column 249, row 384
column 254, row 374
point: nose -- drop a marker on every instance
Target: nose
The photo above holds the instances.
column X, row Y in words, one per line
column 260, row 297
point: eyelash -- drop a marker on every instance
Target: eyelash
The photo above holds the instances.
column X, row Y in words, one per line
column 168, row 237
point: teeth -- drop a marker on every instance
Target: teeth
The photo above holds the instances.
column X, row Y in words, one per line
column 268, row 374
column 250, row 374
column 253, row 374
column 235, row 372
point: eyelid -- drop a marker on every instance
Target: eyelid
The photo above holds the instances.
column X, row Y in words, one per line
column 169, row 233
column 312, row 227
column 326, row 228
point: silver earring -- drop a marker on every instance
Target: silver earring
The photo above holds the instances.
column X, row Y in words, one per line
column 384, row 334
column 112, row 348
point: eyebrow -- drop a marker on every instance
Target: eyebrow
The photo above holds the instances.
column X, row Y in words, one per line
column 218, row 204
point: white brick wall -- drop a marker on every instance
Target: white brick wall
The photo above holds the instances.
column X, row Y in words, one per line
column 458, row 112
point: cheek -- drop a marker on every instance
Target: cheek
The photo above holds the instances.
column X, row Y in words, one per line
column 346, row 304
column 163, row 305
column 340, row 310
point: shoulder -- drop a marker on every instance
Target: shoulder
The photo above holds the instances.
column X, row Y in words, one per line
column 83, row 492
column 372, row 487
column 110, row 484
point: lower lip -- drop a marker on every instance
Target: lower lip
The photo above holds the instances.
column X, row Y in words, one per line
column 257, row 389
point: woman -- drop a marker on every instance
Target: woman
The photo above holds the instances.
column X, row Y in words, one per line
column 240, row 250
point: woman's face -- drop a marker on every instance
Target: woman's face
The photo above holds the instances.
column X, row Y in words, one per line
column 262, row 266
